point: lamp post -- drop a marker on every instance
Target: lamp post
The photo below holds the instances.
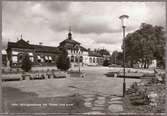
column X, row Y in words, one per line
column 123, row 19
column 79, row 58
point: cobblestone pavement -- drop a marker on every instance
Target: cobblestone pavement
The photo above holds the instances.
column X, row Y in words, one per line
column 103, row 104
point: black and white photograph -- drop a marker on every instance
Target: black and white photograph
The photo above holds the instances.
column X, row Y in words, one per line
column 83, row 57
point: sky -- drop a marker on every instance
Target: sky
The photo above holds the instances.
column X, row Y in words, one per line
column 94, row 24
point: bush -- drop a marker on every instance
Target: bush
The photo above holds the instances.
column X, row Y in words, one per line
column 63, row 62
column 106, row 63
column 26, row 63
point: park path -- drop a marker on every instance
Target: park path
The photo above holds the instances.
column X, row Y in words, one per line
column 103, row 104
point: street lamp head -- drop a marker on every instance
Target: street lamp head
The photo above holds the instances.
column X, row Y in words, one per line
column 123, row 20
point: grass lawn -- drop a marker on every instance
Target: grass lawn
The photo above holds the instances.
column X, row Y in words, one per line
column 16, row 101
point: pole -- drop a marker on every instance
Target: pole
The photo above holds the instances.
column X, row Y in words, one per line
column 1, row 66
column 79, row 59
column 79, row 63
column 124, row 83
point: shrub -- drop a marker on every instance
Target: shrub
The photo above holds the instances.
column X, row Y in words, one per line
column 106, row 63
column 26, row 63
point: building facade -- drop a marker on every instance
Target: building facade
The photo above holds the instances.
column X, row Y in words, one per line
column 95, row 58
column 47, row 55
column 39, row 54
column 77, row 54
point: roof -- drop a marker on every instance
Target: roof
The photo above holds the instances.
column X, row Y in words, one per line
column 38, row 48
column 83, row 49
column 69, row 41
column 20, row 44
column 71, row 47
column 41, row 48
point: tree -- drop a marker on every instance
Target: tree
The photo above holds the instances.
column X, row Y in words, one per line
column 117, row 58
column 114, row 57
column 106, row 62
column 26, row 63
column 63, row 62
column 144, row 45
column 103, row 52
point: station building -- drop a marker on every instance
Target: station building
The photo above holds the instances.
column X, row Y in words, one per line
column 47, row 55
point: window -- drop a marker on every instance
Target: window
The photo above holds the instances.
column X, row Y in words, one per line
column 20, row 57
column 90, row 59
column 76, row 59
column 39, row 59
column 72, row 58
column 98, row 60
column 93, row 60
column 81, row 59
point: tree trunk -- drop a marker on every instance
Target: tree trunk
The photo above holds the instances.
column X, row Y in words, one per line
column 0, row 96
column 131, row 64
column 145, row 64
column 148, row 63
column 1, row 81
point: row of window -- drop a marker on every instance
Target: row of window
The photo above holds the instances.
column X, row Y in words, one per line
column 76, row 59
column 80, row 59
column 19, row 58
column 95, row 60
column 76, row 51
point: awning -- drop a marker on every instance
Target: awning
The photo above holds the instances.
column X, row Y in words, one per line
column 14, row 53
column 38, row 57
column 50, row 58
column 46, row 57
column 30, row 54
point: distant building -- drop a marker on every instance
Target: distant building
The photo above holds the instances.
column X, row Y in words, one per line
column 39, row 54
column 95, row 58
